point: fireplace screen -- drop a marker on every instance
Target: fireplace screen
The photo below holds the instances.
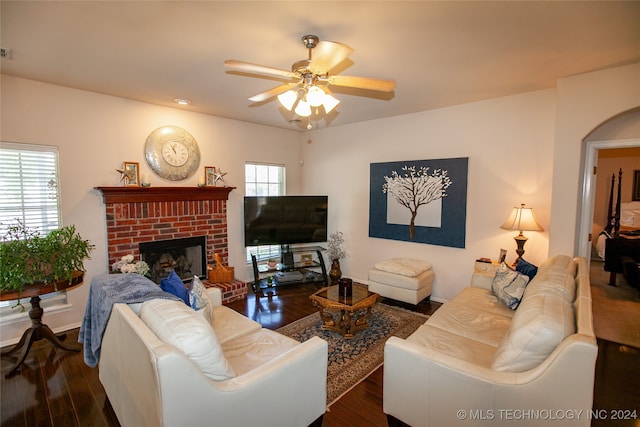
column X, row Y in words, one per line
column 187, row 257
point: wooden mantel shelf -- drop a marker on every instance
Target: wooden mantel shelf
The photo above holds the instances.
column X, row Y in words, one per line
column 162, row 194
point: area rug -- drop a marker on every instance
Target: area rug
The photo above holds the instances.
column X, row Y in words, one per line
column 351, row 361
column 616, row 309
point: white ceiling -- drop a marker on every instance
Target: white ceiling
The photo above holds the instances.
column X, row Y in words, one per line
column 440, row 53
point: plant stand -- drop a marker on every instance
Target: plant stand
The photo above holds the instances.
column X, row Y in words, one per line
column 38, row 330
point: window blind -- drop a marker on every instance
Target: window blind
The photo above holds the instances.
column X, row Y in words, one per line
column 29, row 186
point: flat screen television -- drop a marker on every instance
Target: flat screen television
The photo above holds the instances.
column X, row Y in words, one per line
column 284, row 220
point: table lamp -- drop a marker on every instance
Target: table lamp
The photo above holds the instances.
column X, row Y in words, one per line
column 521, row 219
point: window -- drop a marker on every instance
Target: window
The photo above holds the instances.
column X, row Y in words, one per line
column 264, row 180
column 29, row 192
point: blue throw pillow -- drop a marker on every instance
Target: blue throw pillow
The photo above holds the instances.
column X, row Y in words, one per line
column 526, row 268
column 174, row 285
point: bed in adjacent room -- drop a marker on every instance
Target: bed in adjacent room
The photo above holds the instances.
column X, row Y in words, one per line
column 619, row 242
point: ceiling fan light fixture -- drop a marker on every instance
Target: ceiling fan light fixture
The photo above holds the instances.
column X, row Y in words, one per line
column 307, row 84
column 329, row 102
column 288, row 98
column 303, row 109
column 315, row 96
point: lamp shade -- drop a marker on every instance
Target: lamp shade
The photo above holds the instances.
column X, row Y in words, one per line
column 522, row 219
column 315, row 96
column 303, row 109
column 287, row 99
column 329, row 103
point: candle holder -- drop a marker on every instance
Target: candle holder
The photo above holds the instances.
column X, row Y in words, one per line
column 345, row 287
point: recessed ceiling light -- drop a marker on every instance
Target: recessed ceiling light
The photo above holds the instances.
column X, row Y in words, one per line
column 182, row 101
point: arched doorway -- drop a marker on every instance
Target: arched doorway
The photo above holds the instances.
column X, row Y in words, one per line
column 620, row 132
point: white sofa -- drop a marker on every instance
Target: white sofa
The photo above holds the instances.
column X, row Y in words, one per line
column 277, row 381
column 475, row 361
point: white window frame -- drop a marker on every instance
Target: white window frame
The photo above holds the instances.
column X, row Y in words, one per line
column 273, row 184
column 46, row 186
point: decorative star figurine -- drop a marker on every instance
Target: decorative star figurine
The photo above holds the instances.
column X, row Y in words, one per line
column 218, row 176
column 128, row 175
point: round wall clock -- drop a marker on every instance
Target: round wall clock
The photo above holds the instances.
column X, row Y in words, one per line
column 172, row 153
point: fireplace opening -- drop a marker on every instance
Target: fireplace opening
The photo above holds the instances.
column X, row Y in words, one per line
column 187, row 257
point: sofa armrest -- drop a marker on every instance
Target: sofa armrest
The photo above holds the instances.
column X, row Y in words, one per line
column 483, row 274
column 215, row 296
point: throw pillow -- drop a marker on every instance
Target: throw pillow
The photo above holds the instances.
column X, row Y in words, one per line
column 537, row 328
column 174, row 285
column 508, row 285
column 180, row 326
column 198, row 298
column 526, row 268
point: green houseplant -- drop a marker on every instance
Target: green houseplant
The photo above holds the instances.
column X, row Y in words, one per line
column 28, row 258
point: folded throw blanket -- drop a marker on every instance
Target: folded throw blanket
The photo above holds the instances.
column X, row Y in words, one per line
column 106, row 290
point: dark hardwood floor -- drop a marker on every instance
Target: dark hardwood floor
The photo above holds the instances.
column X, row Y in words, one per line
column 56, row 388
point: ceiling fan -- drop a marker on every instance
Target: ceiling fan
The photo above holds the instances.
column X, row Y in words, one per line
column 306, row 88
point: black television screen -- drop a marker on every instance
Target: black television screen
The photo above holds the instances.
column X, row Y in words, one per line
column 283, row 220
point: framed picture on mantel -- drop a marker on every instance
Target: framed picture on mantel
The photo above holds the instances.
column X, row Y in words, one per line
column 210, row 176
column 132, row 174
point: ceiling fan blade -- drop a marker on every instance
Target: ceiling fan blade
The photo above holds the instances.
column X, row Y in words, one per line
column 363, row 83
column 248, row 67
column 263, row 96
column 327, row 55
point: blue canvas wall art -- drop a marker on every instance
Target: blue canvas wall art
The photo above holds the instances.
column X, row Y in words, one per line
column 423, row 201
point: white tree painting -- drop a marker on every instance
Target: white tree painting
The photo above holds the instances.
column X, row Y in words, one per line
column 416, row 188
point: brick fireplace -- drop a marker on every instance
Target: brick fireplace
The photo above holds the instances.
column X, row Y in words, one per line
column 137, row 215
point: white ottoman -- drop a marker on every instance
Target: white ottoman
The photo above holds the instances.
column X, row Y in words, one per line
column 402, row 279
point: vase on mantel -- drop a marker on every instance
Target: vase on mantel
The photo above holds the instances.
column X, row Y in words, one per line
column 335, row 273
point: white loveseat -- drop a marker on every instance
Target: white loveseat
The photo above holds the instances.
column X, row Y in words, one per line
column 477, row 362
column 277, row 381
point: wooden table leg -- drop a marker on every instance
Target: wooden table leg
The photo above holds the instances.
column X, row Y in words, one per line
column 36, row 332
column 612, row 279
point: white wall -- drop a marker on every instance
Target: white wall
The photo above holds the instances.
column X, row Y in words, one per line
column 96, row 133
column 509, row 142
column 584, row 102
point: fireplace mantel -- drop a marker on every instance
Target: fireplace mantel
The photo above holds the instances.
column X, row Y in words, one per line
column 162, row 194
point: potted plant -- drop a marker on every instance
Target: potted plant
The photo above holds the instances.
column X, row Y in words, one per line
column 31, row 263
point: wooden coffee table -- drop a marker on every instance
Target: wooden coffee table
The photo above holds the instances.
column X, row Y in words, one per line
column 345, row 315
